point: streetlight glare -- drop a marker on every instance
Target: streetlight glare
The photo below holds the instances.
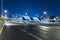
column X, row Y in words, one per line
column 6, row 16
column 44, row 12
column 25, row 13
column 5, row 11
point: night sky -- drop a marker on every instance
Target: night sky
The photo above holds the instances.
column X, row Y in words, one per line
column 52, row 7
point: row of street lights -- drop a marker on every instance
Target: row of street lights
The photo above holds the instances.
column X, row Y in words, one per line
column 5, row 11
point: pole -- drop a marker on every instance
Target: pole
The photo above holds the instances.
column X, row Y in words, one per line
column 2, row 7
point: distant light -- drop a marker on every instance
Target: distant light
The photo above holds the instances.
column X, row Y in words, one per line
column 41, row 16
column 5, row 11
column 16, row 16
column 26, row 13
column 56, row 17
column 45, row 12
column 19, row 15
column 12, row 15
column 6, row 16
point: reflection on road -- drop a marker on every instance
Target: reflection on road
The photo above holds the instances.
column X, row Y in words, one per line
column 30, row 31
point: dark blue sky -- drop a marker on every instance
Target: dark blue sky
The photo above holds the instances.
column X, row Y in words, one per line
column 34, row 6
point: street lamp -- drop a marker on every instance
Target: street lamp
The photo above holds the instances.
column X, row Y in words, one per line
column 5, row 11
column 26, row 13
column 45, row 12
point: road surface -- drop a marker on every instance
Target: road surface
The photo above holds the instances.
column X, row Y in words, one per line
column 30, row 32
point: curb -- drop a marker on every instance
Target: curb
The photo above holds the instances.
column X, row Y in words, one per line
column 1, row 29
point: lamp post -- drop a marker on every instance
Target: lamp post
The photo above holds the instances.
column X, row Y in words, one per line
column 5, row 11
column 45, row 14
column 2, row 7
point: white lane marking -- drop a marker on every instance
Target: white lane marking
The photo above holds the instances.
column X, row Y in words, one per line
column 23, row 30
column 32, row 35
column 35, row 36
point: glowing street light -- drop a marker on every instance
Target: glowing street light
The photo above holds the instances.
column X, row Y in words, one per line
column 6, row 16
column 45, row 12
column 26, row 13
column 5, row 11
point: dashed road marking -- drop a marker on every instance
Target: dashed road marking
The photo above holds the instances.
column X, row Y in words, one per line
column 32, row 35
column 35, row 36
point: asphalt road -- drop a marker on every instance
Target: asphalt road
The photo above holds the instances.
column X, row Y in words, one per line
column 30, row 32
column 13, row 33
